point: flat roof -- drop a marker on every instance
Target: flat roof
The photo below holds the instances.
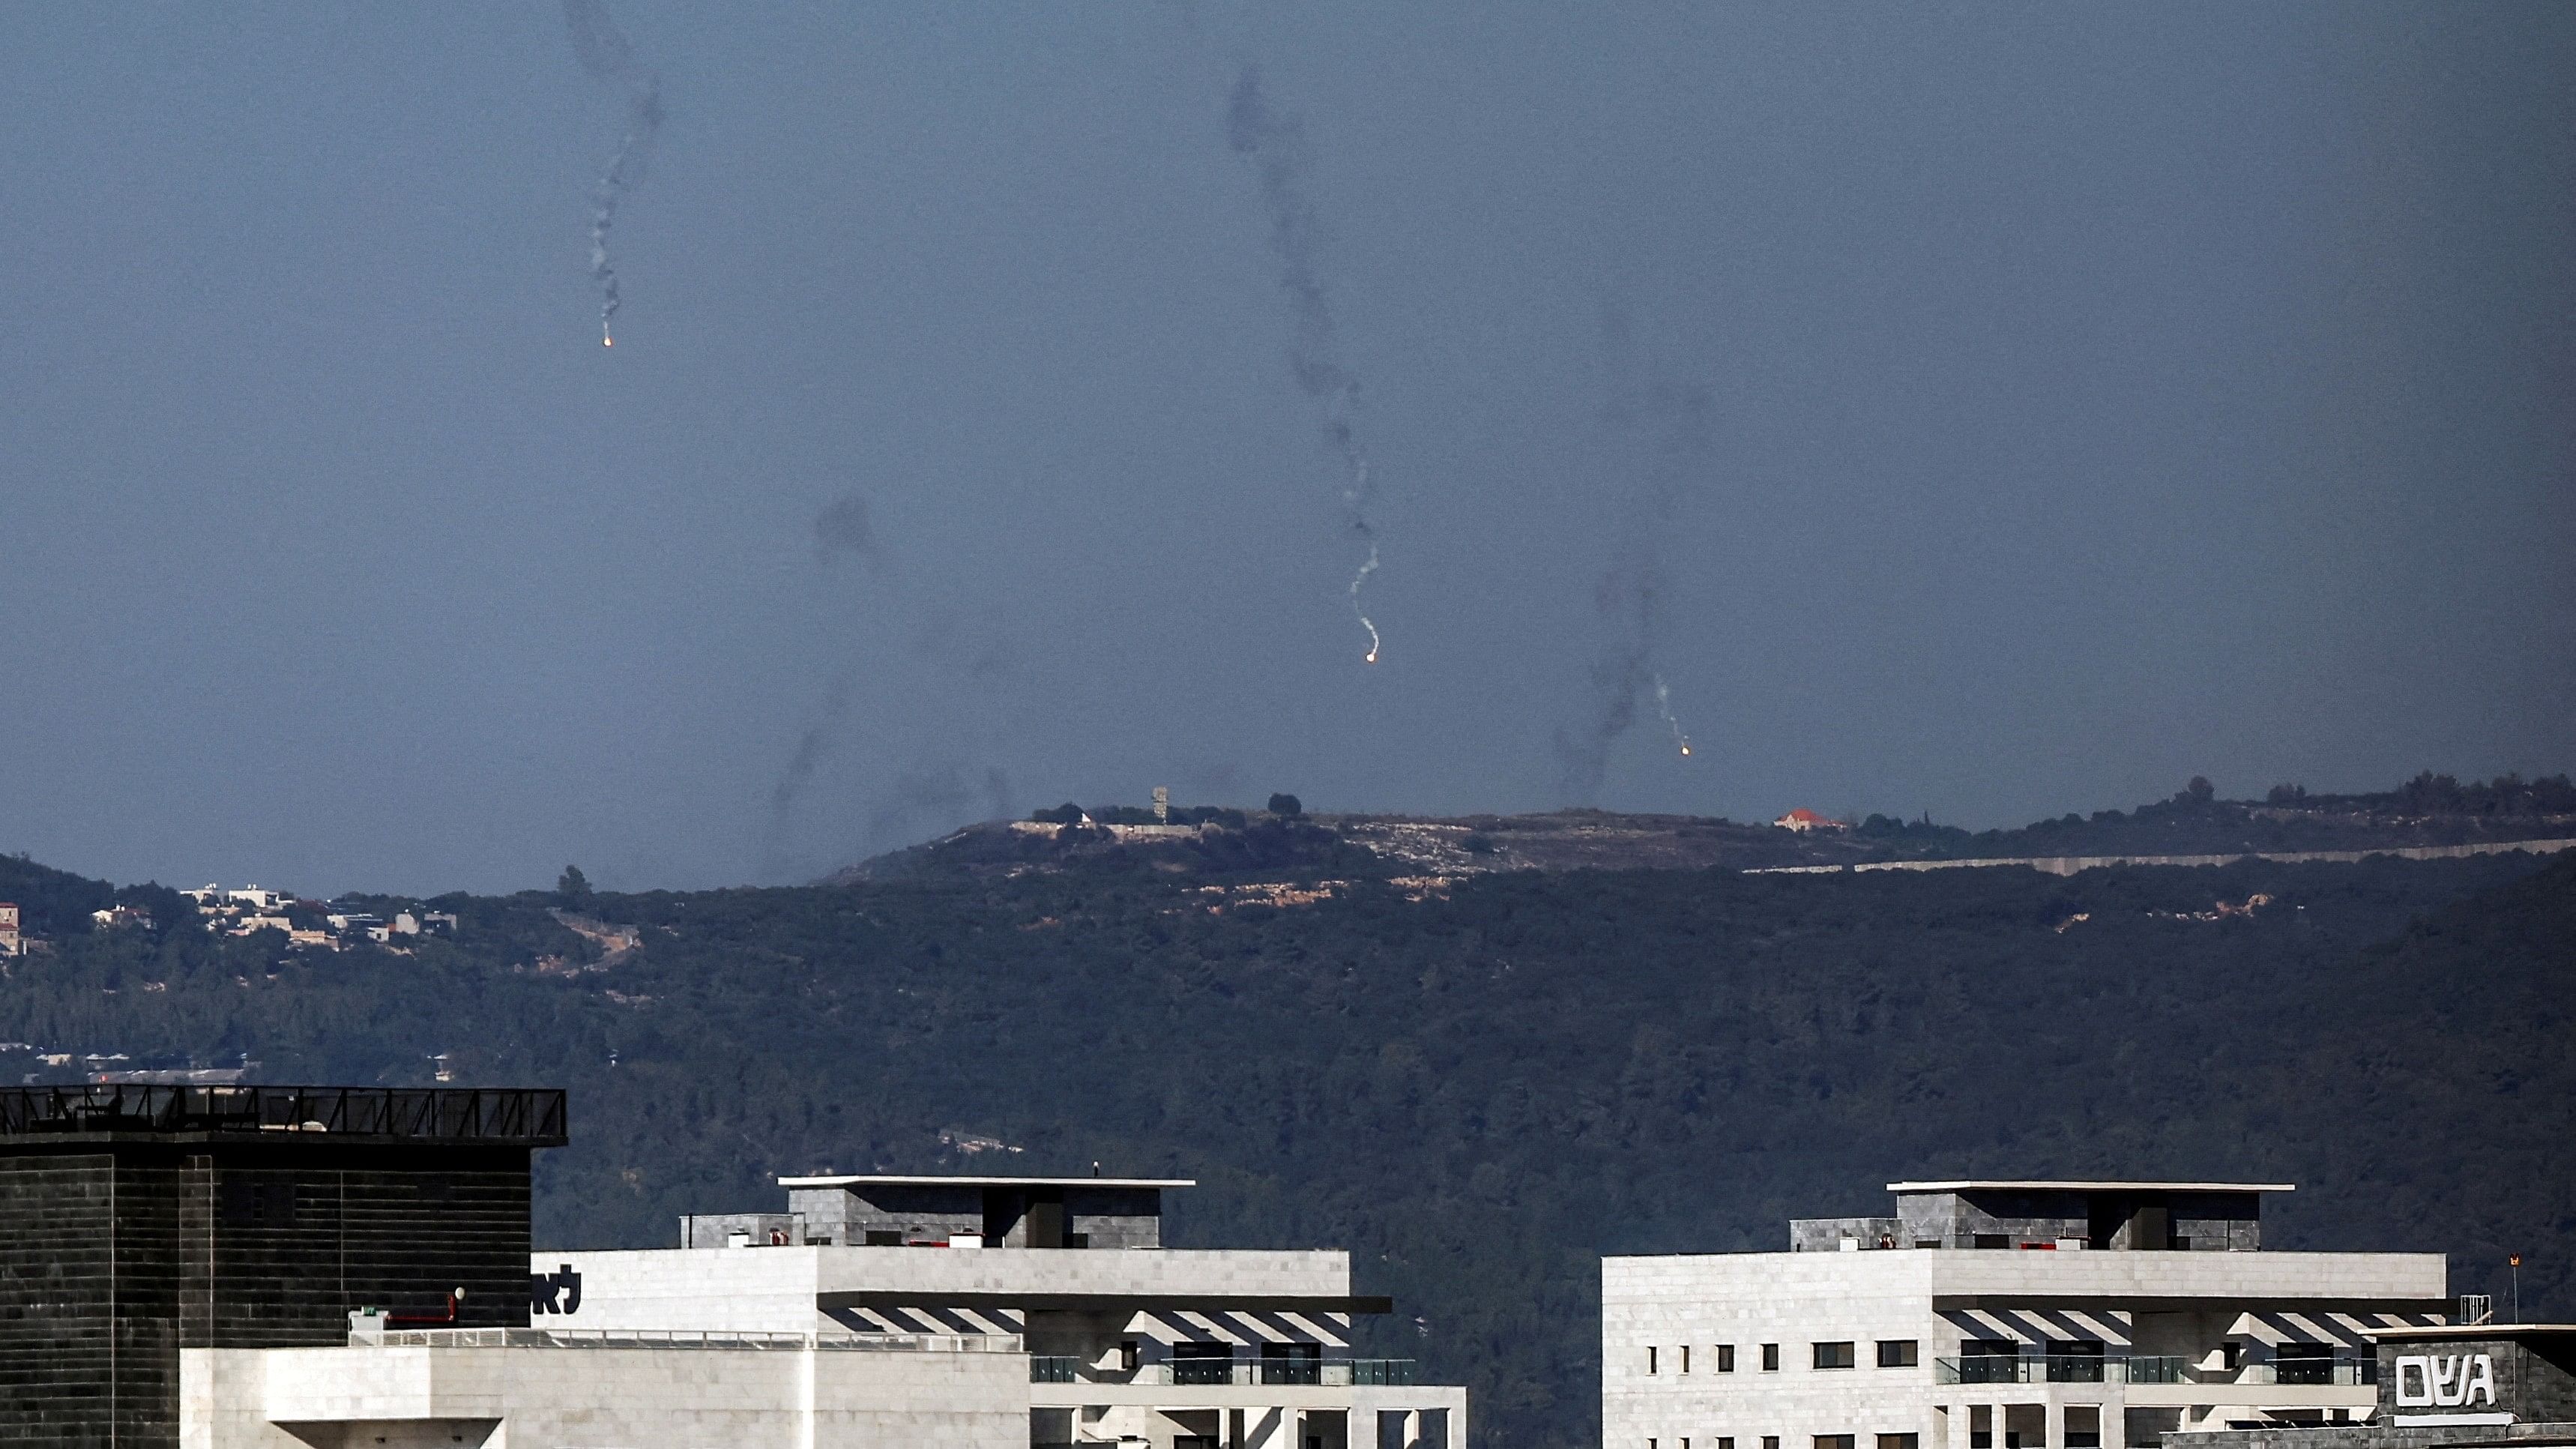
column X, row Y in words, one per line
column 2003, row 1185
column 944, row 1180
column 2475, row 1330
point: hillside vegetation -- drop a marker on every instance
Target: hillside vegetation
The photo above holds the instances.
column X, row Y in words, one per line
column 1478, row 1084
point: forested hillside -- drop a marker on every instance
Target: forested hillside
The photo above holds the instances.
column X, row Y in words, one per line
column 1479, row 1086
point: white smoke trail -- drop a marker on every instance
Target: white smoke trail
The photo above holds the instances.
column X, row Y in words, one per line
column 1276, row 144
column 1358, row 579
column 606, row 55
column 1662, row 427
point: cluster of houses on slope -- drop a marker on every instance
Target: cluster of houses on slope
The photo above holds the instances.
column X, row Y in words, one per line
column 239, row 912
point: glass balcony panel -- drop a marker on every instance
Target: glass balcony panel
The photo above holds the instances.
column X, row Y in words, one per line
column 2073, row 1368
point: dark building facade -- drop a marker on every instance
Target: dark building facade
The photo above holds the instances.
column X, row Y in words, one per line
column 144, row 1219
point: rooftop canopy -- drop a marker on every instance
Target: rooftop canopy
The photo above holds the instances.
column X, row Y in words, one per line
column 2475, row 1330
column 2012, row 1185
column 497, row 1116
column 948, row 1180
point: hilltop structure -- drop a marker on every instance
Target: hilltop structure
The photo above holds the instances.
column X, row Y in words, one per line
column 2004, row 1315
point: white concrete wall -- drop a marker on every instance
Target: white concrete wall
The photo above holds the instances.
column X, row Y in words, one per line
column 1176, row 1271
column 603, row 1398
column 772, row 1290
column 732, row 1290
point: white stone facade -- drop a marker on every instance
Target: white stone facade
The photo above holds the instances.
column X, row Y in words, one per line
column 783, row 1290
column 2206, row 1331
column 514, row 1390
column 754, row 1347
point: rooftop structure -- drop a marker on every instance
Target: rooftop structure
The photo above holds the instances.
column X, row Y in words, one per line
column 155, row 1220
column 931, row 1311
column 1127, row 1340
column 2115, row 1216
column 2114, row 1311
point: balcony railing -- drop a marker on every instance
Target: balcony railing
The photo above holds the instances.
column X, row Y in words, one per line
column 2075, row 1368
column 1210, row 1372
column 2167, row 1368
column 2144, row 1369
column 2346, row 1372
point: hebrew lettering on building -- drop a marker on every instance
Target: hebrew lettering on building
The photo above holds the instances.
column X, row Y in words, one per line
column 2448, row 1381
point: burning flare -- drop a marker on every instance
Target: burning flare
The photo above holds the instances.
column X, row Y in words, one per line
column 1664, row 706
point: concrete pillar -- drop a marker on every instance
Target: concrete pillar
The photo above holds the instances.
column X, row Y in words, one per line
column 1268, row 1428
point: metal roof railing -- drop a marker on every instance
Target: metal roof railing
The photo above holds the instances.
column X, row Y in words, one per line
column 514, row 1116
column 673, row 1338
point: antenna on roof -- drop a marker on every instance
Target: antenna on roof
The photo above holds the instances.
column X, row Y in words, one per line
column 1095, row 1171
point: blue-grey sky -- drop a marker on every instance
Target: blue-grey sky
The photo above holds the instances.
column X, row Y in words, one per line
column 2021, row 409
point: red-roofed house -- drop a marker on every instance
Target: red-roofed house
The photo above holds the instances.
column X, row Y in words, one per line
column 1803, row 820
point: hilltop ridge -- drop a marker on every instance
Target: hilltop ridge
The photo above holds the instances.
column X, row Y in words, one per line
column 2431, row 812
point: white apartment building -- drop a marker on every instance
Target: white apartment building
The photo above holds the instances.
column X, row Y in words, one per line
column 2003, row 1315
column 944, row 1312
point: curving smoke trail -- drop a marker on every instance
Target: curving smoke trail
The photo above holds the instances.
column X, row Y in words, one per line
column 608, row 56
column 1276, row 146
column 1669, row 423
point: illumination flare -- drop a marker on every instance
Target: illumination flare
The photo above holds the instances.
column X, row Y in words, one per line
column 1664, row 706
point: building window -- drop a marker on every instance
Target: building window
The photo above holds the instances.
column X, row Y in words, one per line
column 1981, row 1426
column 1726, row 1441
column 2303, row 1363
column 1833, row 1441
column 1896, row 1353
column 1770, row 1441
column 1770, row 1358
column 884, row 1238
column 1899, row 1441
column 1726, row 1359
column 1834, row 1356
column 1994, row 1240
column 1202, row 1363
column 1686, row 1369
column 1650, row 1367
column 2083, row 1426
